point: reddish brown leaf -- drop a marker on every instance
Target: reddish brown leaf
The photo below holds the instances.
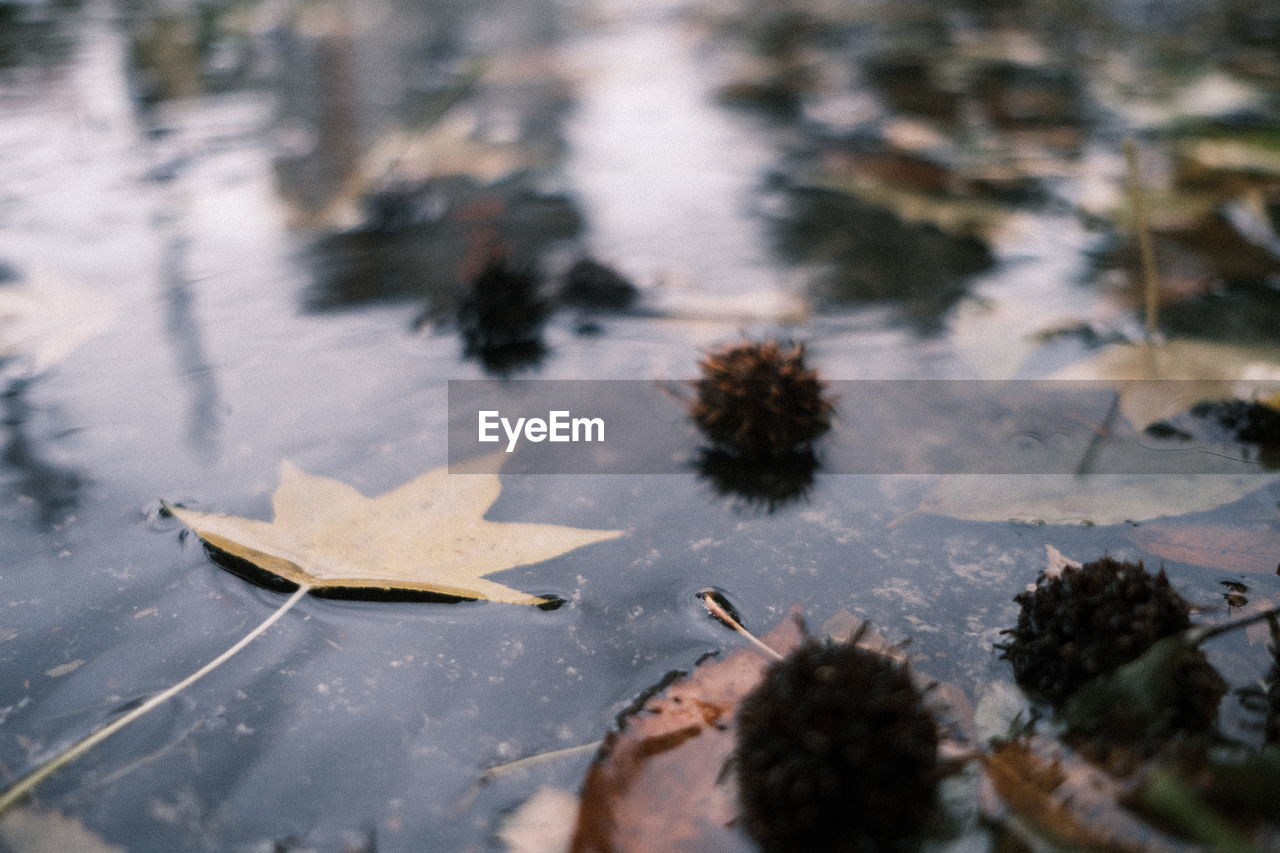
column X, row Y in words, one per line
column 664, row 782
column 643, row 793
column 1217, row 546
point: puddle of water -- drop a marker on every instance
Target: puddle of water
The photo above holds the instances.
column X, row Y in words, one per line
column 230, row 309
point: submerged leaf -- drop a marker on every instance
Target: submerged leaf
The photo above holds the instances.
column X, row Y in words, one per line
column 426, row 536
column 1090, row 499
column 1202, row 370
column 1218, row 546
column 1174, row 800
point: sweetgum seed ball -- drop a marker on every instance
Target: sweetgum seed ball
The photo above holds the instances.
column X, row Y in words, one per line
column 835, row 752
column 1087, row 621
column 760, row 400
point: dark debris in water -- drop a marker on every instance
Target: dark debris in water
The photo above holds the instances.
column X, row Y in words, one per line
column 501, row 316
column 871, row 255
column 1253, row 424
column 425, row 243
column 594, row 286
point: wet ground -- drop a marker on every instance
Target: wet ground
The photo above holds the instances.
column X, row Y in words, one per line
column 237, row 233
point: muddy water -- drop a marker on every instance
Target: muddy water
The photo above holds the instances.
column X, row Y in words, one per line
column 231, row 236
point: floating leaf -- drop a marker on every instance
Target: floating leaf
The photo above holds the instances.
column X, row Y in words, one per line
column 663, row 781
column 1219, row 546
column 1058, row 562
column 1092, row 499
column 426, row 536
column 629, row 801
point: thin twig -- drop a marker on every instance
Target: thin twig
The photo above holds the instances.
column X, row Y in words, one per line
column 1150, row 283
column 709, row 602
column 23, row 786
column 1098, row 437
column 507, row 767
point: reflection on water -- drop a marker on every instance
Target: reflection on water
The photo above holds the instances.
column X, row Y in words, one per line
column 765, row 483
column 426, row 242
column 35, row 34
column 319, row 110
column 871, row 254
column 179, row 51
column 502, row 315
column 204, row 418
column 33, row 478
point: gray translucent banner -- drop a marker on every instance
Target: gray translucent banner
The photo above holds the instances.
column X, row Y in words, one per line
column 880, row 427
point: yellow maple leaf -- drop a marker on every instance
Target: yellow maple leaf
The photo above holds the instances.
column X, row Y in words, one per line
column 428, row 535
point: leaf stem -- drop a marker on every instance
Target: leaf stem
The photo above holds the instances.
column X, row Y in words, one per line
column 1150, row 283
column 496, row 770
column 713, row 606
column 23, row 786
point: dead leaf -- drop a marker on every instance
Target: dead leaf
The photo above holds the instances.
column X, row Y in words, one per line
column 1218, row 546
column 630, row 799
column 663, row 782
column 31, row 830
column 427, row 536
column 1092, row 499
column 1053, row 799
column 1203, row 370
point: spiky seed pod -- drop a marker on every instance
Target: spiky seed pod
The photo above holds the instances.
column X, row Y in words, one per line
column 1087, row 621
column 760, row 400
column 835, row 752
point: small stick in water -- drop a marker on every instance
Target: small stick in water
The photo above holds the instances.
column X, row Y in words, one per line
column 712, row 601
column 19, row 789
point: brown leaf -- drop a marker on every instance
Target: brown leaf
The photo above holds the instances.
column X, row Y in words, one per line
column 1052, row 798
column 661, row 783
column 1217, row 546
